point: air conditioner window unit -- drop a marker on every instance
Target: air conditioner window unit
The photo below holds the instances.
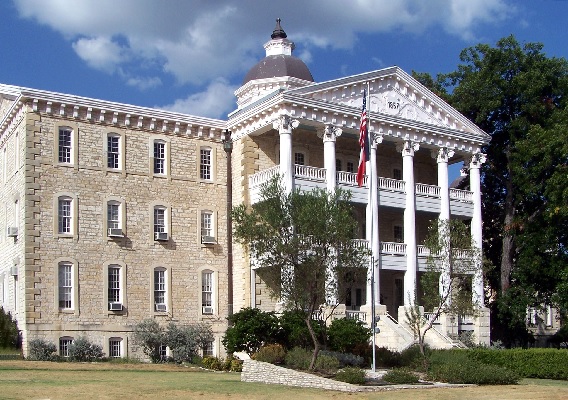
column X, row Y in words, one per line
column 208, row 240
column 12, row 231
column 207, row 310
column 161, row 235
column 161, row 307
column 115, row 232
column 113, row 306
column 14, row 270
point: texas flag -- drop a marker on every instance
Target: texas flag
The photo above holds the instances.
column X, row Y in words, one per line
column 363, row 142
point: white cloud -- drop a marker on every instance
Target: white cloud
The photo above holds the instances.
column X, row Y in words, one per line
column 215, row 102
column 198, row 41
column 144, row 83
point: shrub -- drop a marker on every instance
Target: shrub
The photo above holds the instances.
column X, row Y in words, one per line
column 213, row 363
column 355, row 376
column 81, row 349
column 400, row 376
column 345, row 334
column 472, row 372
column 9, row 333
column 387, row 358
column 249, row 329
column 345, row 359
column 41, row 350
column 326, row 364
column 236, row 365
column 413, row 359
column 298, row 358
column 185, row 341
column 295, row 332
column 272, row 353
column 151, row 336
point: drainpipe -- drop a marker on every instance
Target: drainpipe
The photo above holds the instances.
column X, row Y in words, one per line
column 228, row 147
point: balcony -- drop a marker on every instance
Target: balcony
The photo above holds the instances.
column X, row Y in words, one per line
column 392, row 192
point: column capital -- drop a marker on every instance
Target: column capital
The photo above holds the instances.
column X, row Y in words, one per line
column 442, row 155
column 376, row 139
column 285, row 123
column 477, row 160
column 329, row 132
column 408, row 147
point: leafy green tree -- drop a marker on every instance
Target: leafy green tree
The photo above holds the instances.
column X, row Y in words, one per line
column 301, row 243
column 345, row 334
column 150, row 335
column 250, row 329
column 518, row 95
column 186, row 341
column 446, row 284
column 295, row 332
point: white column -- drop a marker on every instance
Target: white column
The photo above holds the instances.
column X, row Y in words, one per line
column 253, row 288
column 329, row 135
column 476, row 224
column 408, row 150
column 284, row 125
column 442, row 156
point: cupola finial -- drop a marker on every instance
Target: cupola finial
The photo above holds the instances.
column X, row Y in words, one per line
column 278, row 32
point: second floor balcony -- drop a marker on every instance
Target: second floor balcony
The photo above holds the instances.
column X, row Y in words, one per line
column 392, row 192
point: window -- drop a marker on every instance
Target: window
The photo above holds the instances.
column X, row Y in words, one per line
column 205, row 163
column 207, row 292
column 350, row 166
column 398, row 233
column 114, row 286
column 113, row 151
column 338, row 165
column 207, row 227
column 66, row 286
column 115, row 222
column 299, row 158
column 160, row 290
column 113, row 215
column 160, row 226
column 115, row 347
column 163, row 351
column 397, row 174
column 208, row 349
column 65, row 215
column 64, row 344
column 65, row 144
column 160, row 157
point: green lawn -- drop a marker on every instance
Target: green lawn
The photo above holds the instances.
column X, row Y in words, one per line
column 45, row 380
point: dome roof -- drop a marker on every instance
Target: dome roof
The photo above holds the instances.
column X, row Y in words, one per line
column 279, row 61
column 278, row 66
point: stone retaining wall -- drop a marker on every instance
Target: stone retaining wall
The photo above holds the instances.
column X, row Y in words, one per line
column 258, row 371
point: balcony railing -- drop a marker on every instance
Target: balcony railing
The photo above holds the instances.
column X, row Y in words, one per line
column 350, row 179
column 310, row 173
column 427, row 190
column 393, row 248
column 462, row 195
column 422, row 251
column 391, row 184
column 263, row 176
column 356, row 315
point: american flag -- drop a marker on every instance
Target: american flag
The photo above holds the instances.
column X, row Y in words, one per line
column 363, row 142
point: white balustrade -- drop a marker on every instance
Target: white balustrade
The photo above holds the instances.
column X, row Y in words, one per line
column 263, row 176
column 361, row 243
column 422, row 251
column 461, row 195
column 393, row 248
column 391, row 184
column 310, row 173
column 427, row 190
column 356, row 315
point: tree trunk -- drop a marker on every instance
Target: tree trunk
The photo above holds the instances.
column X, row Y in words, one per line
column 508, row 248
column 314, row 339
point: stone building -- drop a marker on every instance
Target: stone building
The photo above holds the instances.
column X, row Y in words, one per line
column 114, row 213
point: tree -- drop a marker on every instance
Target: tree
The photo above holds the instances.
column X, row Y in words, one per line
column 250, row 329
column 517, row 95
column 446, row 285
column 302, row 245
column 9, row 333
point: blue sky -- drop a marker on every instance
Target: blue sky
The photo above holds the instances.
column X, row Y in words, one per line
column 190, row 55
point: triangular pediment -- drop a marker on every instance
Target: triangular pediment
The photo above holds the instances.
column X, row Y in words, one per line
column 393, row 95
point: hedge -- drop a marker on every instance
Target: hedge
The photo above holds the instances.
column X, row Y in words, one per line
column 528, row 363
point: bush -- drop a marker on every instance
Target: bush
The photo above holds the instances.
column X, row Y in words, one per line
column 413, row 359
column 298, row 358
column 213, row 363
column 185, row 341
column 473, row 373
column 355, row 376
column 326, row 364
column 41, row 350
column 295, row 331
column 151, row 336
column 345, row 334
column 249, row 329
column 81, row 349
column 387, row 358
column 9, row 333
column 272, row 353
column 236, row 365
column 345, row 359
column 400, row 376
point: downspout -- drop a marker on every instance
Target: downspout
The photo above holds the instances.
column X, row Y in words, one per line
column 228, row 147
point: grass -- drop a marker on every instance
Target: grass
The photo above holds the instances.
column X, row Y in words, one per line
column 46, row 380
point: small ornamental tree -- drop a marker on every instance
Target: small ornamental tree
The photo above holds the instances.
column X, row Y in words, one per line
column 8, row 330
column 250, row 329
column 150, row 335
column 301, row 242
column 446, row 285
